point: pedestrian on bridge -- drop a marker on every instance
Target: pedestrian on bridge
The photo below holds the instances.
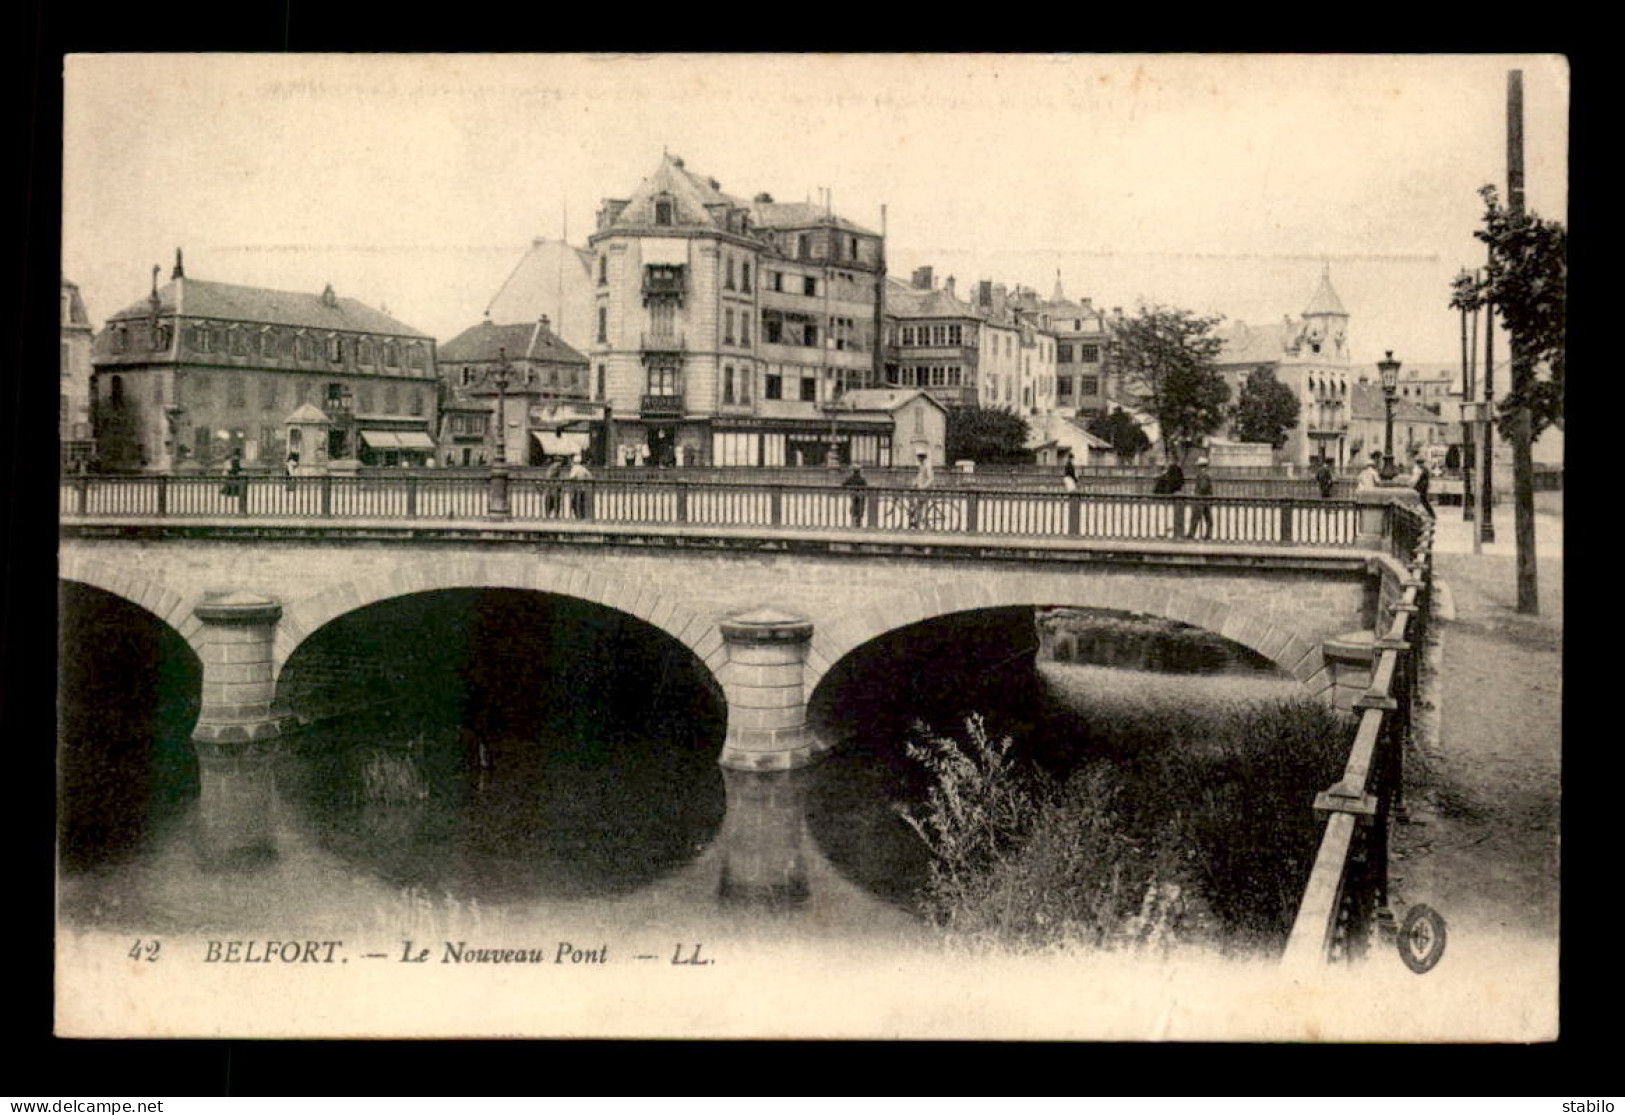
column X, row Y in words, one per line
column 1323, row 477
column 550, row 487
column 1370, row 477
column 1069, row 475
column 579, row 496
column 855, row 480
column 1202, row 518
column 1421, row 479
column 1171, row 483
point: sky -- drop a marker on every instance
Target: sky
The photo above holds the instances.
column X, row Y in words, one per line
column 1220, row 184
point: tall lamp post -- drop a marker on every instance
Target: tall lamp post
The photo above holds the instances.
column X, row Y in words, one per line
column 835, row 407
column 1388, row 369
column 498, row 504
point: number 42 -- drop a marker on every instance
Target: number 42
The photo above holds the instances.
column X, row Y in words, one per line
column 145, row 950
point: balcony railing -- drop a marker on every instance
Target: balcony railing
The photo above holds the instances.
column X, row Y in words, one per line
column 664, row 342
column 662, row 404
column 664, row 284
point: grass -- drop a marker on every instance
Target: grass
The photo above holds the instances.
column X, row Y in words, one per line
column 1172, row 826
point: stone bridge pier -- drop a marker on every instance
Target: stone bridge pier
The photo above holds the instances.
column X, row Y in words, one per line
column 765, row 685
column 236, row 738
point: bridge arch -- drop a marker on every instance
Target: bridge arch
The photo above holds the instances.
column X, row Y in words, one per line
column 526, row 572
column 156, row 597
column 1296, row 652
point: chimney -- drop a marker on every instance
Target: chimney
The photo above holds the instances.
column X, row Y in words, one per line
column 764, row 199
column 546, row 328
column 922, row 279
column 948, row 285
column 179, row 272
column 984, row 293
column 328, row 297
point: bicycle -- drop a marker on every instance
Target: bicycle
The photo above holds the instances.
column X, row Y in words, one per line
column 915, row 511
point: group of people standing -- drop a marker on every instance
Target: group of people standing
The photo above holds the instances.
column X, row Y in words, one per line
column 1172, row 482
column 553, row 491
column 1420, row 479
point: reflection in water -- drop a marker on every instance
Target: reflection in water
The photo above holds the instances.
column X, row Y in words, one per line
column 545, row 817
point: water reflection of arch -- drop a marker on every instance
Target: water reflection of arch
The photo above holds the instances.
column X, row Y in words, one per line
column 1295, row 652
column 305, row 616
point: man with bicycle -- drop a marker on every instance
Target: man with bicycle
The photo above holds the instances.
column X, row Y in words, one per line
column 924, row 478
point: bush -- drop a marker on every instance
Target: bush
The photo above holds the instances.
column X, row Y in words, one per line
column 1176, row 827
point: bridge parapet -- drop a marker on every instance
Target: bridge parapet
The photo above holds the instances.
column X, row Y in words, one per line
column 457, row 499
column 1345, row 903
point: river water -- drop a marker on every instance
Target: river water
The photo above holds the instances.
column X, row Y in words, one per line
column 509, row 800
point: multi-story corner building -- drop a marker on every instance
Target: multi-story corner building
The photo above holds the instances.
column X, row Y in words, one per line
column 1310, row 355
column 727, row 331
column 200, row 371
column 553, row 280
column 544, row 404
column 73, row 413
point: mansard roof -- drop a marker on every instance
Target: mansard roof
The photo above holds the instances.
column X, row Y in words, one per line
column 689, row 193
column 198, row 298
column 800, row 214
column 523, row 341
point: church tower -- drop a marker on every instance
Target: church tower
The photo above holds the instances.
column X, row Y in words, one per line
column 1325, row 323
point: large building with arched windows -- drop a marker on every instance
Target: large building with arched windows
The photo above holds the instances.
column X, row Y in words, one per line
column 200, row 371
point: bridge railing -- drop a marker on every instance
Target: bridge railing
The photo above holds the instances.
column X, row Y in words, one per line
column 1345, row 902
column 1023, row 512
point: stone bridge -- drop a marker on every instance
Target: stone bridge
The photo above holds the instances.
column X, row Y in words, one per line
column 768, row 612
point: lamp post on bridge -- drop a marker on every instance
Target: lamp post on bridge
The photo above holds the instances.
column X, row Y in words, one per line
column 498, row 504
column 1388, row 369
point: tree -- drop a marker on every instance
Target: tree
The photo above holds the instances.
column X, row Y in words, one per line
column 1527, row 284
column 1266, row 410
column 986, row 434
column 1164, row 358
column 1128, row 441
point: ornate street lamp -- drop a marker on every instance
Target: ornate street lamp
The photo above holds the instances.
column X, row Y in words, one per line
column 1388, row 369
column 498, row 504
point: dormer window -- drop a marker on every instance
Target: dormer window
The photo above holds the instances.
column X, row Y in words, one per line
column 663, row 211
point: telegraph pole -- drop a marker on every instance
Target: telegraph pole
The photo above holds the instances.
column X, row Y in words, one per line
column 1466, row 422
column 1486, row 478
column 1523, row 462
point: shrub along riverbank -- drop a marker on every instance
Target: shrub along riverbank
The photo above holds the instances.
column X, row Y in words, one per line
column 1159, row 826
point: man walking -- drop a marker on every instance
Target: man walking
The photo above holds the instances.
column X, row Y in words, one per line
column 1421, row 480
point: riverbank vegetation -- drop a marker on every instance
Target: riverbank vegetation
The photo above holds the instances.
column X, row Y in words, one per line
column 1166, row 827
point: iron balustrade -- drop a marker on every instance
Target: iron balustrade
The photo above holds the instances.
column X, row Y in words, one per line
column 1010, row 512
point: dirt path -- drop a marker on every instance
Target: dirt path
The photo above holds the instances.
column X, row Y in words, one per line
column 1485, row 854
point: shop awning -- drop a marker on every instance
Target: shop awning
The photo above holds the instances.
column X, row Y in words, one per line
column 666, row 250
column 413, row 439
column 560, row 444
column 381, row 439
